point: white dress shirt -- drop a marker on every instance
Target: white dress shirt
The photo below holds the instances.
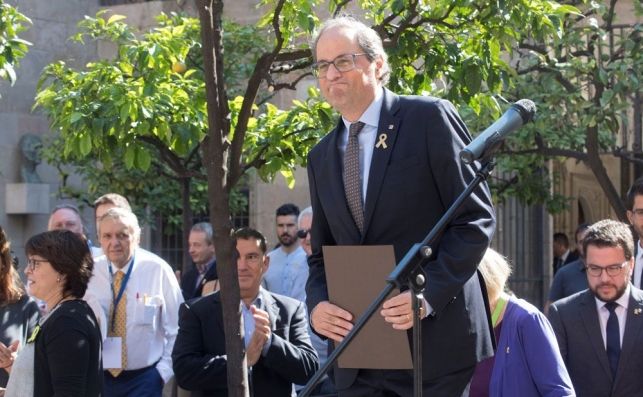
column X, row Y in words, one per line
column 621, row 314
column 366, row 138
column 153, row 300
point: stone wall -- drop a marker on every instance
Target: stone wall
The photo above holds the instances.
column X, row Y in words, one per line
column 53, row 22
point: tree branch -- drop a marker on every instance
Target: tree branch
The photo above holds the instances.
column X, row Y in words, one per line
column 262, row 68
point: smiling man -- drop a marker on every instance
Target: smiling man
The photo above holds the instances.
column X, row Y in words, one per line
column 141, row 296
column 599, row 330
column 278, row 347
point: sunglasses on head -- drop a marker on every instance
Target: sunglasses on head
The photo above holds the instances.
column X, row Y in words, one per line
column 302, row 233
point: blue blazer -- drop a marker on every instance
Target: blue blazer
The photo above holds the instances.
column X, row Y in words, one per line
column 412, row 182
column 528, row 361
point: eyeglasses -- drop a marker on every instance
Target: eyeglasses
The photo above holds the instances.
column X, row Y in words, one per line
column 32, row 264
column 638, row 212
column 611, row 270
column 302, row 233
column 343, row 63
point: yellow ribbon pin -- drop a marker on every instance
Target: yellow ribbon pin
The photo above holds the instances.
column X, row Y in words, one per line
column 382, row 141
column 34, row 334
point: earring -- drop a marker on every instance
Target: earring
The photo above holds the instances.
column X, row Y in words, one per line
column 58, row 279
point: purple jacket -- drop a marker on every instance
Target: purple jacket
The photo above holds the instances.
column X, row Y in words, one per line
column 528, row 361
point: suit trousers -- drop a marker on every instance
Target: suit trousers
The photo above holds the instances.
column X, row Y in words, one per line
column 136, row 383
column 399, row 383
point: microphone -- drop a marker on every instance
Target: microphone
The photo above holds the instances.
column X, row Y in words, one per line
column 489, row 140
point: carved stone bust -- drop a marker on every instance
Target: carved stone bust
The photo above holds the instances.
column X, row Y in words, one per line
column 30, row 145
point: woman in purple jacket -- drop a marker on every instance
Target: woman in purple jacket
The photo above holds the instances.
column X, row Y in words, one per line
column 527, row 362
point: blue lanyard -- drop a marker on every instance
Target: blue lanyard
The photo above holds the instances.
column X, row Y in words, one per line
column 117, row 298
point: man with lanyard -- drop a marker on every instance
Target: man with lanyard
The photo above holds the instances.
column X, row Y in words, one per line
column 140, row 294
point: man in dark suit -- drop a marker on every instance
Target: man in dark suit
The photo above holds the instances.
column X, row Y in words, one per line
column 278, row 347
column 600, row 330
column 201, row 249
column 408, row 175
column 562, row 254
column 635, row 216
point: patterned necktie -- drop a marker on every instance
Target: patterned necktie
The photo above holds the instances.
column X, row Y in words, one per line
column 118, row 326
column 352, row 176
column 613, row 338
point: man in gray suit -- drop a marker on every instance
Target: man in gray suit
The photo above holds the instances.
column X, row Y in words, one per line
column 600, row 330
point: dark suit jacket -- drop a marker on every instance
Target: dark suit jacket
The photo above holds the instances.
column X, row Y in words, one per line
column 412, row 182
column 199, row 358
column 188, row 281
column 575, row 322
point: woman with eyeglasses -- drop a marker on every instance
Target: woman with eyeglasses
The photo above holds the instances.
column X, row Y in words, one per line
column 63, row 354
column 18, row 312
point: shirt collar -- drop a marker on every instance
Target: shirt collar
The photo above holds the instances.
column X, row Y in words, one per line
column 371, row 115
column 201, row 269
column 125, row 268
column 257, row 301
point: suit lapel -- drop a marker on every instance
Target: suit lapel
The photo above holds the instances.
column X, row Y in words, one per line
column 592, row 325
column 271, row 307
column 633, row 330
column 387, row 132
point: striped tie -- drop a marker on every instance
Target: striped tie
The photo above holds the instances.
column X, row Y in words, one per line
column 352, row 176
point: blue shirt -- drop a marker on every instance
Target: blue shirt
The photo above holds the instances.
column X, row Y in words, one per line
column 249, row 323
column 569, row 279
column 287, row 273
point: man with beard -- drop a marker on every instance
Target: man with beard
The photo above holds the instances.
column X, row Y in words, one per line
column 288, row 270
column 599, row 330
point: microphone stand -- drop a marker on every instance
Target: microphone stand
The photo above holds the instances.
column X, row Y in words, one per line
column 408, row 272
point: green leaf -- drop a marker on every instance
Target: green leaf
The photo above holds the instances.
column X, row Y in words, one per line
column 115, row 18
column 130, row 156
column 85, row 144
column 75, row 116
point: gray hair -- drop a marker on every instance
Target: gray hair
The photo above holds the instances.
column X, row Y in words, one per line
column 114, row 199
column 127, row 217
column 206, row 228
column 308, row 211
column 367, row 38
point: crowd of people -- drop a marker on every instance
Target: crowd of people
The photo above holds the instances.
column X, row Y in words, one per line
column 115, row 320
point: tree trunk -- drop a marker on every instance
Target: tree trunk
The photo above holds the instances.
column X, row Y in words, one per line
column 215, row 156
column 187, row 222
column 595, row 163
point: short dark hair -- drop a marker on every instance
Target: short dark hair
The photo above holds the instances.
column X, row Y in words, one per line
column 247, row 233
column 635, row 190
column 581, row 228
column 610, row 233
column 288, row 209
column 561, row 238
column 69, row 255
